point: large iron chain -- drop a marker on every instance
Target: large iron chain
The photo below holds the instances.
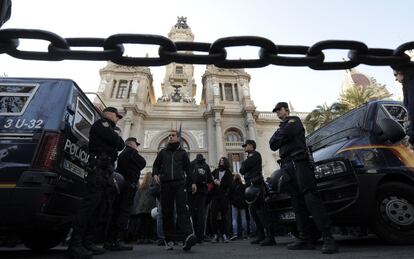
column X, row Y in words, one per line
column 183, row 52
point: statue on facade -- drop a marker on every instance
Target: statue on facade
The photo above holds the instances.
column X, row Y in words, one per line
column 181, row 22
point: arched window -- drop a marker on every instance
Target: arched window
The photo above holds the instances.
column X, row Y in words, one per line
column 233, row 135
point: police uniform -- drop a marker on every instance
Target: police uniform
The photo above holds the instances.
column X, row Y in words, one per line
column 129, row 165
column 295, row 162
column 251, row 169
column 104, row 144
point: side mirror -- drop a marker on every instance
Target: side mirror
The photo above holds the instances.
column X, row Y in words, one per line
column 389, row 129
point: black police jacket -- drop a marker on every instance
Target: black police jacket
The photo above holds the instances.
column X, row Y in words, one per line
column 289, row 138
column 201, row 175
column 104, row 139
column 251, row 168
column 130, row 164
column 172, row 164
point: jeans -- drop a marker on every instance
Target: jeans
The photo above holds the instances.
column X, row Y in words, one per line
column 236, row 214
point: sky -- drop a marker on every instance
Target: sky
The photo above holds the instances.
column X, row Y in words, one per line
column 379, row 24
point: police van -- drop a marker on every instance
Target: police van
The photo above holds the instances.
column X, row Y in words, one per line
column 364, row 171
column 44, row 132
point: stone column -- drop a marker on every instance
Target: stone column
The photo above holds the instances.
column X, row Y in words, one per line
column 251, row 126
column 219, row 135
column 139, row 133
column 212, row 159
column 127, row 128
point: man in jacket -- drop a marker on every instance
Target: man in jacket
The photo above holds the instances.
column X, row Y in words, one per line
column 251, row 169
column 104, row 144
column 290, row 140
column 172, row 170
column 201, row 176
column 130, row 163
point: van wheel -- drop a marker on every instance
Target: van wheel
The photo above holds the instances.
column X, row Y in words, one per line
column 394, row 213
column 44, row 239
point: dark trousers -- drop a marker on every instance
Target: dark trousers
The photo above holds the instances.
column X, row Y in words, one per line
column 219, row 214
column 145, row 226
column 174, row 193
column 121, row 211
column 198, row 213
column 91, row 207
column 305, row 198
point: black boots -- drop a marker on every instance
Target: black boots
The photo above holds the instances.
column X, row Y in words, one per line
column 329, row 245
column 301, row 244
column 270, row 238
column 93, row 248
column 117, row 246
column 76, row 249
column 189, row 242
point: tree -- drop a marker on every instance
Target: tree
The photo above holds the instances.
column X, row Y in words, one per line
column 322, row 115
column 358, row 95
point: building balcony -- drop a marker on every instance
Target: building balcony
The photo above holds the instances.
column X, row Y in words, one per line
column 234, row 144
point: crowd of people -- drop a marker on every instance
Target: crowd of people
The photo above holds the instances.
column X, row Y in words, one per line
column 183, row 201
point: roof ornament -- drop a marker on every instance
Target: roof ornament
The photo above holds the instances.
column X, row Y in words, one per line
column 181, row 22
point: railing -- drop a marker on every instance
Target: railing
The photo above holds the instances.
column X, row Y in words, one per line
column 273, row 115
column 234, row 144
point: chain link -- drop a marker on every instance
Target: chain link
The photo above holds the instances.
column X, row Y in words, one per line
column 182, row 52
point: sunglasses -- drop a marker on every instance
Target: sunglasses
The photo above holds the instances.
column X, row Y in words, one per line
column 172, row 135
column 398, row 73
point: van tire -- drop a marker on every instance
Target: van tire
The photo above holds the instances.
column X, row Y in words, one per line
column 394, row 213
column 44, row 239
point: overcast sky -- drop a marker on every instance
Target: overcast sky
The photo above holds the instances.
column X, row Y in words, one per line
column 379, row 24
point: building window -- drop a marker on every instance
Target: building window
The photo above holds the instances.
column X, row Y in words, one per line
column 123, row 90
column 236, row 92
column 228, row 92
column 221, row 92
column 233, row 136
column 113, row 88
column 179, row 70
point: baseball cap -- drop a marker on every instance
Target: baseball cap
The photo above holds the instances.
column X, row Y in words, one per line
column 280, row 105
column 251, row 142
column 113, row 110
column 133, row 139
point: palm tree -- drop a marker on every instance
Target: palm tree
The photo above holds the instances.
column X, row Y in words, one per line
column 322, row 115
column 357, row 95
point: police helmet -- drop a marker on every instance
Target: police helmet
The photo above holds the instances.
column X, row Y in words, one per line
column 154, row 213
column 251, row 194
column 275, row 180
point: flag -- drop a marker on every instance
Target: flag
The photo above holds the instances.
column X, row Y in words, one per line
column 179, row 136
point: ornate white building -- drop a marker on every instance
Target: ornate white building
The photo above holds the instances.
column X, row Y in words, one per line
column 215, row 127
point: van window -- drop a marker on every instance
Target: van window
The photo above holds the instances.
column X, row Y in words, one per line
column 393, row 111
column 84, row 119
column 345, row 126
column 14, row 98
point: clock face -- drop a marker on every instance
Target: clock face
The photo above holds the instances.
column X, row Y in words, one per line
column 12, row 104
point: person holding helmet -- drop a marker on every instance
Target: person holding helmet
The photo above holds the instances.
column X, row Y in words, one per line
column 297, row 166
column 251, row 169
column 130, row 163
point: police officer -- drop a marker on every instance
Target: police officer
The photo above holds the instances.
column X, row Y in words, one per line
column 295, row 161
column 104, row 144
column 129, row 165
column 251, row 169
column 171, row 169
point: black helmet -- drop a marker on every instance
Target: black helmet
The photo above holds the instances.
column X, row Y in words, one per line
column 275, row 180
column 251, row 194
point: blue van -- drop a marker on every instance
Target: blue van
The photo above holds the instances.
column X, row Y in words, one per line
column 364, row 172
column 44, row 132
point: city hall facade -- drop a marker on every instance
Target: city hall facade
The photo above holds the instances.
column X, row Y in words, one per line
column 215, row 127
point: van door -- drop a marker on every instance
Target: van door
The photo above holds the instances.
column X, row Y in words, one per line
column 73, row 158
